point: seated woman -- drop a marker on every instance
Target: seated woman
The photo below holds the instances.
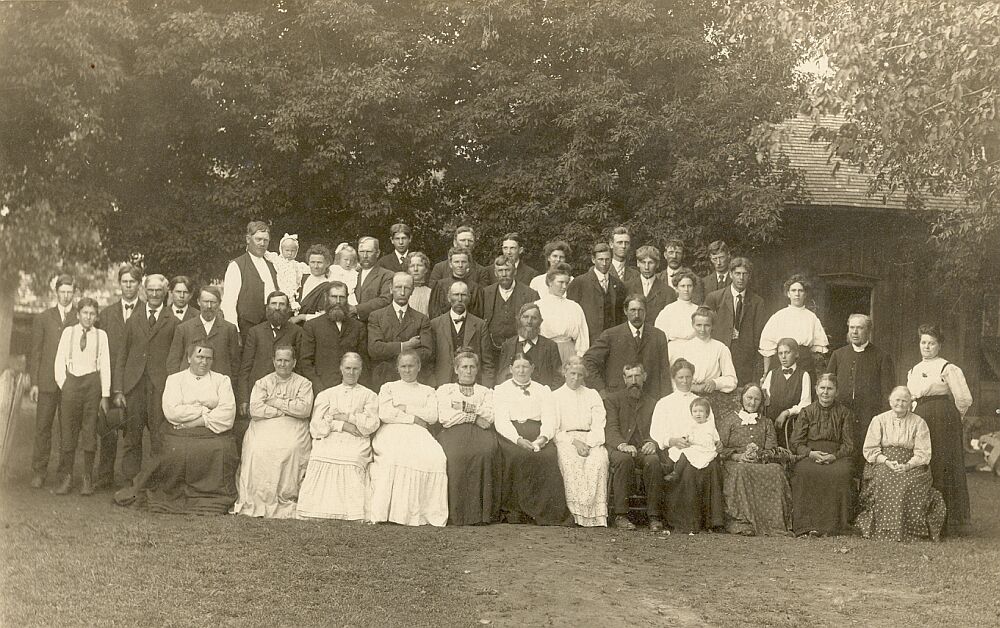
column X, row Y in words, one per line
column 532, row 483
column 475, row 468
column 196, row 471
column 277, row 443
column 695, row 499
column 898, row 501
column 822, row 483
column 758, row 498
column 583, row 460
column 409, row 477
column 344, row 418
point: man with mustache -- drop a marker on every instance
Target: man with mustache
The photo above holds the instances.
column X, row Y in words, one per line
column 626, row 435
column 543, row 352
column 326, row 338
column 207, row 325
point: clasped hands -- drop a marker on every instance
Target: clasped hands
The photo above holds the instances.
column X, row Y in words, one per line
column 535, row 445
column 899, row 467
column 648, row 449
column 820, row 457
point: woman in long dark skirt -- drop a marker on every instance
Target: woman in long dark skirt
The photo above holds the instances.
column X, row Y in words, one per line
column 532, row 483
column 822, row 483
column 475, row 467
column 943, row 398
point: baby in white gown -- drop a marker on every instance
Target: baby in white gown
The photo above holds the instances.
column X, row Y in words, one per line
column 704, row 441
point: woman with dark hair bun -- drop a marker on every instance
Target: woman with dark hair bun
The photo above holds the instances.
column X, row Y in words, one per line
column 798, row 322
column 943, row 398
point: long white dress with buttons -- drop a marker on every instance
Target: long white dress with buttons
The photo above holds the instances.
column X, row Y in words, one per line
column 581, row 416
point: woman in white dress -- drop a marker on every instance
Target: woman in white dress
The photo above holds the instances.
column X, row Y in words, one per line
column 714, row 373
column 288, row 269
column 344, row 418
column 419, row 267
column 277, row 443
column 579, row 440
column 797, row 322
column 345, row 269
column 408, row 478
column 563, row 321
column 674, row 320
column 556, row 253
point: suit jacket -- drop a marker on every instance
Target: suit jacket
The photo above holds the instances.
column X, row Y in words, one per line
column 864, row 381
column 627, row 418
column 323, row 345
column 522, row 275
column 189, row 313
column 586, row 290
column 616, row 347
column 710, row 282
column 660, row 294
column 375, row 293
column 631, row 272
column 480, row 274
column 545, row 355
column 391, row 263
column 315, row 301
column 112, row 321
column 473, row 336
column 521, row 294
column 224, row 339
column 46, row 330
column 145, row 350
column 746, row 360
column 385, row 335
column 258, row 354
column 439, row 303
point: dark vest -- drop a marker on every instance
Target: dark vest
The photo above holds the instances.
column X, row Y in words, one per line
column 250, row 301
column 784, row 394
column 502, row 324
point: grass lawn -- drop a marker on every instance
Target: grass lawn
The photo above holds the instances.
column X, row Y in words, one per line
column 84, row 561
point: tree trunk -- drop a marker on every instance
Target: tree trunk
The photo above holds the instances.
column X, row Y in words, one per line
column 8, row 296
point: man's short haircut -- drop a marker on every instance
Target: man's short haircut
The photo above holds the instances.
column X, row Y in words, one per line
column 64, row 280
column 130, row 270
column 513, row 235
column 400, row 227
column 620, row 230
column 648, row 252
column 184, row 280
column 674, row 242
column 741, row 262
column 867, row 319
column 455, row 283
column 464, row 229
column 275, row 294
column 201, row 343
column 502, row 261
column 556, row 245
column 635, row 296
column 459, row 250
column 364, row 239
column 258, row 225
column 401, row 275
column 718, row 247
column 86, row 302
column 154, row 277
column 340, row 285
column 789, row 343
column 212, row 290
column 285, row 347
column 319, row 249
column 633, row 366
column 599, row 247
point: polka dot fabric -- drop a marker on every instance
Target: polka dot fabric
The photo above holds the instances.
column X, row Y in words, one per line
column 899, row 506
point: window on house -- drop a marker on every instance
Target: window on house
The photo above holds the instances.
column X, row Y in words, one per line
column 844, row 301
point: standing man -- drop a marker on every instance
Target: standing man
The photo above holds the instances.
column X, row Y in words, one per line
column 456, row 328
column 374, row 283
column 213, row 330
column 140, row 373
column 718, row 255
column 865, row 374
column 629, row 343
column 465, row 238
column 181, row 289
column 543, row 352
column 258, row 353
column 327, row 338
column 648, row 283
column 397, row 328
column 460, row 265
column 600, row 294
column 112, row 320
column 46, row 331
column 396, row 262
column 512, row 249
column 501, row 303
column 739, row 320
column 673, row 253
column 621, row 242
column 249, row 279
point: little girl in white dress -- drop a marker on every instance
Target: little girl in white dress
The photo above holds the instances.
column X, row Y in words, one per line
column 288, row 269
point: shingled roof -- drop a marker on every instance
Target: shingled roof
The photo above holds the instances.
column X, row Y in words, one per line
column 847, row 187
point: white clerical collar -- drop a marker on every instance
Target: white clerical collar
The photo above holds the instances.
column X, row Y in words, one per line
column 860, row 349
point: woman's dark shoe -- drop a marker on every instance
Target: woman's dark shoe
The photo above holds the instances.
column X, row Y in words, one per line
column 622, row 523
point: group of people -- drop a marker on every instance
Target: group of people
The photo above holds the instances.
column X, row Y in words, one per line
column 381, row 388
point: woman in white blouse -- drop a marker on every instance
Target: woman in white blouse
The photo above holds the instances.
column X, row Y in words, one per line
column 674, row 320
column 579, row 439
column 942, row 399
column 563, row 321
column 526, row 422
column 475, row 469
column 419, row 267
column 409, row 477
column 798, row 322
column 714, row 373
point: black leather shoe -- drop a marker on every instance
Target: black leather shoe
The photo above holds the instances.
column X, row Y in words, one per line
column 655, row 525
column 622, row 523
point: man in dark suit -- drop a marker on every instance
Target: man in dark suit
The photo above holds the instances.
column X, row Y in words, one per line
column 46, row 330
column 599, row 293
column 501, row 303
column 396, row 262
column 249, row 279
column 649, row 284
column 374, row 282
column 217, row 333
column 140, row 373
column 512, row 249
column 543, row 352
column 626, row 435
column 629, row 343
column 312, row 288
column 181, row 290
column 258, row 354
column 397, row 328
column 459, row 261
column 739, row 320
column 456, row 328
column 112, row 320
column 465, row 238
column 325, row 340
column 719, row 278
column 621, row 242
column 673, row 253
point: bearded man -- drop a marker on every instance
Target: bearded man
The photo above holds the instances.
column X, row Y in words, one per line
column 327, row 338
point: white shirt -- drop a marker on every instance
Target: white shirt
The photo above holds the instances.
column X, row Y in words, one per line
column 187, row 397
column 311, row 282
column 675, row 320
column 712, row 360
column 635, row 330
column 511, row 405
column 233, row 283
column 505, row 294
column 737, row 293
column 95, row 357
column 647, row 284
column 128, row 312
column 400, row 310
column 563, row 321
column 859, row 348
column 455, row 322
column 804, row 399
column 362, row 274
column 208, row 325
column 932, row 377
column 580, row 414
column 798, row 323
column 672, row 419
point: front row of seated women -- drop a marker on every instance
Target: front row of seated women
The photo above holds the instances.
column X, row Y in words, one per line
column 469, row 455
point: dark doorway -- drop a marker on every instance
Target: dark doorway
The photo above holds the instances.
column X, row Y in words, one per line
column 844, row 301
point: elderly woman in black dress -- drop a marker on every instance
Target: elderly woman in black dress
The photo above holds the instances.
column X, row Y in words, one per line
column 822, row 483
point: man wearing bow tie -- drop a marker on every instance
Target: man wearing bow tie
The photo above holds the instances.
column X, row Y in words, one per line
column 456, row 328
column 140, row 373
column 543, row 352
column 396, row 328
column 46, row 331
column 396, row 261
column 181, row 289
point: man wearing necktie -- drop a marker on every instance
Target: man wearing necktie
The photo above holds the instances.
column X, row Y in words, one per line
column 46, row 331
column 600, row 293
column 718, row 255
column 397, row 328
column 739, row 320
column 396, row 260
column 207, row 326
column 455, row 329
column 544, row 352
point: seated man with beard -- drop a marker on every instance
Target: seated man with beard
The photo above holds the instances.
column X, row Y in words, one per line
column 327, row 338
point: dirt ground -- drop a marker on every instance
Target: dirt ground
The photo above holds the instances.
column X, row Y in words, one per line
column 83, row 561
